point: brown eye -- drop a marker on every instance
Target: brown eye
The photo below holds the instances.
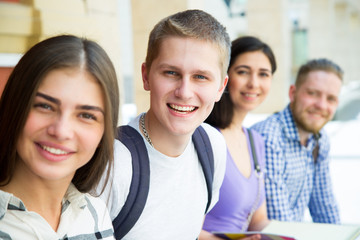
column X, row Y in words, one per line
column 264, row 74
column 88, row 116
column 43, row 106
column 242, row 72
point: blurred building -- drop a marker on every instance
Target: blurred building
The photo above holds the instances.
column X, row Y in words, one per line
column 297, row 30
column 26, row 22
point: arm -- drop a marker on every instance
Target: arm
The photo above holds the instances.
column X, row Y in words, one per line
column 277, row 193
column 322, row 205
column 259, row 220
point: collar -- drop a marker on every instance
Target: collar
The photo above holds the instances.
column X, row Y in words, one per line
column 9, row 202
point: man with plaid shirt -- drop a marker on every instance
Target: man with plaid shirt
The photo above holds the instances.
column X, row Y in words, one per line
column 297, row 148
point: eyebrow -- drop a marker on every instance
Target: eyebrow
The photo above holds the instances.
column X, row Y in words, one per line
column 247, row 67
column 58, row 102
column 204, row 72
column 174, row 68
column 47, row 97
column 165, row 65
column 92, row 108
column 319, row 91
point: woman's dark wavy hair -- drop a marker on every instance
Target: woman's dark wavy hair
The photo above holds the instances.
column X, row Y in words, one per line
column 60, row 52
column 223, row 111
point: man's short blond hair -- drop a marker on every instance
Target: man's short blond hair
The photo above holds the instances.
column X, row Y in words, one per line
column 321, row 64
column 194, row 24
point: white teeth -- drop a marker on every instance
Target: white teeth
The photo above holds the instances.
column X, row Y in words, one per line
column 182, row 109
column 250, row 95
column 54, row 150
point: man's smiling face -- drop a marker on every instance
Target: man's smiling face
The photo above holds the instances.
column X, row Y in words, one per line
column 315, row 101
column 184, row 83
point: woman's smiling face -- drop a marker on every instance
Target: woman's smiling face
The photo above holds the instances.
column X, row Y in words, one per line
column 249, row 80
column 64, row 126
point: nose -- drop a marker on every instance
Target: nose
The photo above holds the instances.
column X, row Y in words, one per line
column 184, row 89
column 61, row 128
column 253, row 81
column 321, row 102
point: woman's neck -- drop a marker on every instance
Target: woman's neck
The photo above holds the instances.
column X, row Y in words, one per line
column 42, row 197
column 237, row 120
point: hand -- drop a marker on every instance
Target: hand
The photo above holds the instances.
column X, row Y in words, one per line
column 253, row 237
column 204, row 235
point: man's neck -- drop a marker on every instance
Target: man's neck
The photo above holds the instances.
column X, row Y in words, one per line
column 304, row 135
column 162, row 140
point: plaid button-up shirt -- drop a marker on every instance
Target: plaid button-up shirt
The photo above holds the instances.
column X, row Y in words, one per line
column 294, row 181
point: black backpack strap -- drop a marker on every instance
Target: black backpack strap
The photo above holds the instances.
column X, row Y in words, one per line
column 203, row 147
column 139, row 188
column 253, row 151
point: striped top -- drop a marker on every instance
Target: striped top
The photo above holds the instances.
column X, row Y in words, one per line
column 82, row 217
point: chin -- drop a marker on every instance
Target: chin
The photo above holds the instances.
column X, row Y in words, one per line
column 313, row 128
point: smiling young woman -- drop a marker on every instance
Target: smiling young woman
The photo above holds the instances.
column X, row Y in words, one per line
column 242, row 206
column 58, row 115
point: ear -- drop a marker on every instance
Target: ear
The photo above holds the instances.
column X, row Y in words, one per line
column 292, row 92
column 144, row 73
column 222, row 88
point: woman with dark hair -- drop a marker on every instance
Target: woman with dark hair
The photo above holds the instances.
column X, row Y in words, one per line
column 241, row 206
column 58, row 118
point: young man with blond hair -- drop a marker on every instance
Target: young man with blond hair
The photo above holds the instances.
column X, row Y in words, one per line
column 185, row 72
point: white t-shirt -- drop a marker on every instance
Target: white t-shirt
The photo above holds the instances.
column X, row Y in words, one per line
column 177, row 195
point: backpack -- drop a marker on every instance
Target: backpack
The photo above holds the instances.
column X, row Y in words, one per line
column 139, row 187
